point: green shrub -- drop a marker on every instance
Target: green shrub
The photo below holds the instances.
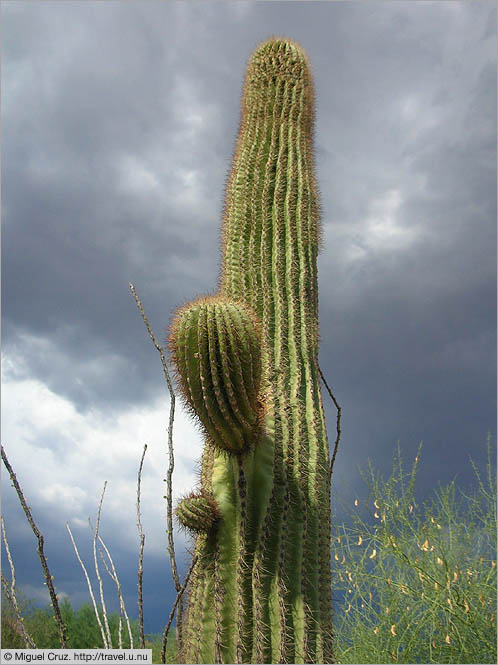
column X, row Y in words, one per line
column 82, row 628
column 418, row 582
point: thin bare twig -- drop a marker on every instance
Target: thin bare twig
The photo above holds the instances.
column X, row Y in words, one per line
column 171, row 464
column 11, row 593
column 338, row 424
column 19, row 623
column 109, row 572
column 114, row 575
column 120, row 631
column 41, row 554
column 140, row 556
column 172, row 613
column 97, row 571
column 104, row 640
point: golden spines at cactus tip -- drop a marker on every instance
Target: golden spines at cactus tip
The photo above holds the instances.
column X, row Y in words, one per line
column 277, row 61
column 216, row 348
column 281, row 58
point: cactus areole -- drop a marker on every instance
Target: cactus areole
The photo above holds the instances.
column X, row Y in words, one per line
column 246, row 363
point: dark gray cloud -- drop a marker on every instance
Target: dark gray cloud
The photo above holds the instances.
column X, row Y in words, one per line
column 119, row 121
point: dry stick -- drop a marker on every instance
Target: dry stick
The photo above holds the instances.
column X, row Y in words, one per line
column 172, row 613
column 109, row 572
column 171, row 465
column 338, row 425
column 11, row 593
column 140, row 556
column 97, row 571
column 120, row 625
column 114, row 575
column 104, row 640
column 46, row 571
column 19, row 625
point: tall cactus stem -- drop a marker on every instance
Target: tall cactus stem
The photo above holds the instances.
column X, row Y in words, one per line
column 246, row 361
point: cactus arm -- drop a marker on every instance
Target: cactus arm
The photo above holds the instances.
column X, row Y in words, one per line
column 246, row 367
column 236, row 395
column 207, row 619
column 224, row 488
column 192, row 639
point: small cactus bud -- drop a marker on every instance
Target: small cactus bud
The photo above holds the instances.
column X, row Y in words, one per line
column 197, row 512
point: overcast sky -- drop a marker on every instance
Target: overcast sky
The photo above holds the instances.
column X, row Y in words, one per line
column 119, row 121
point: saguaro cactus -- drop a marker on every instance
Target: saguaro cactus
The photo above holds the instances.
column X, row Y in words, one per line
column 246, row 361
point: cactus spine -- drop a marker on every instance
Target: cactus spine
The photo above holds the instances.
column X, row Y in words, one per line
column 246, row 361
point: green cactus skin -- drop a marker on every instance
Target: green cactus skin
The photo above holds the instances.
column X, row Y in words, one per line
column 261, row 589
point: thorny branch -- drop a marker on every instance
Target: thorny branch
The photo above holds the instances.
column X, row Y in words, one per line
column 19, row 625
column 140, row 556
column 11, row 593
column 172, row 613
column 104, row 640
column 97, row 572
column 41, row 554
column 171, row 465
column 338, row 424
column 114, row 576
